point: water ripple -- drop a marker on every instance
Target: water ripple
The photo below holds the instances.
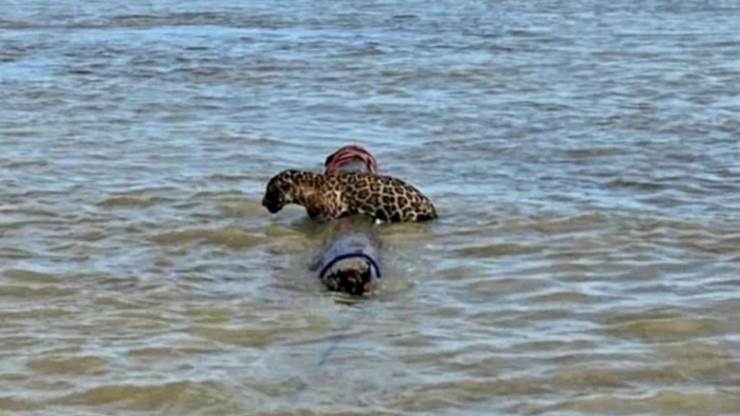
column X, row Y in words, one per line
column 583, row 159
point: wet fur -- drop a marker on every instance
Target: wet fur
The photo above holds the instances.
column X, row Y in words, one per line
column 334, row 196
column 354, row 281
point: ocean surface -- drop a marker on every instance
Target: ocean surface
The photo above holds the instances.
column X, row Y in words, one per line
column 583, row 157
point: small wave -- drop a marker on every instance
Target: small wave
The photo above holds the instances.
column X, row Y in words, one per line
column 640, row 185
column 30, row 276
column 43, row 292
column 565, row 297
column 253, row 337
column 433, row 398
column 592, row 153
column 14, row 404
column 579, row 222
column 230, row 237
column 231, row 178
column 497, row 250
column 131, row 201
column 83, row 365
column 664, row 402
column 19, row 164
column 675, row 328
column 183, row 395
column 242, row 209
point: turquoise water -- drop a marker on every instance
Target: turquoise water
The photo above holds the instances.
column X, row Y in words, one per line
column 583, row 159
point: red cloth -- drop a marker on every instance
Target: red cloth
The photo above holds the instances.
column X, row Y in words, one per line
column 347, row 155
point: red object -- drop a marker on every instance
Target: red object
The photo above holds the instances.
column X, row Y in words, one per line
column 344, row 156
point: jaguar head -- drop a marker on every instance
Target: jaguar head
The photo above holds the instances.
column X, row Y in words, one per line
column 281, row 190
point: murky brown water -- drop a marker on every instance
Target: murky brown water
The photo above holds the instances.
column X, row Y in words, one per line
column 584, row 160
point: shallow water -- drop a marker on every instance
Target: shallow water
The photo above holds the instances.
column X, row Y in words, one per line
column 584, row 160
